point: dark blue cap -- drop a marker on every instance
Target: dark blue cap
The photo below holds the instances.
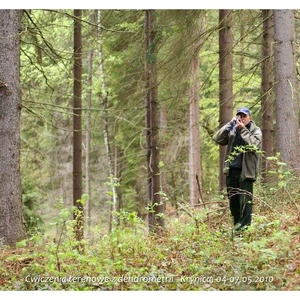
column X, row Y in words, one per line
column 243, row 110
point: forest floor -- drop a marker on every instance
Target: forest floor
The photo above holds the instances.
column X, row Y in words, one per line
column 196, row 252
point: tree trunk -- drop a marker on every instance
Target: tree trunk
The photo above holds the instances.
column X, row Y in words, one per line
column 12, row 227
column 194, row 134
column 77, row 133
column 151, row 217
column 287, row 109
column 267, row 99
column 109, row 153
column 242, row 15
column 155, row 204
column 225, row 81
column 88, row 132
column 163, row 146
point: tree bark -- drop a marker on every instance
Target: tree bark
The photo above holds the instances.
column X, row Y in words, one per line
column 12, row 227
column 225, row 81
column 109, row 153
column 163, row 122
column 194, row 134
column 267, row 99
column 88, row 131
column 77, row 132
column 287, row 108
column 155, row 219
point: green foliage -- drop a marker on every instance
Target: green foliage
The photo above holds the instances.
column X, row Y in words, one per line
column 281, row 186
column 242, row 149
column 193, row 253
column 279, row 171
column 33, row 220
column 46, row 78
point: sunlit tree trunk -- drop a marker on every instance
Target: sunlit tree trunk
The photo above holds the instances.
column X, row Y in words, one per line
column 88, row 145
column 225, row 81
column 163, row 146
column 195, row 173
column 287, row 98
column 194, row 134
column 105, row 103
column 77, row 132
column 12, row 227
column 267, row 100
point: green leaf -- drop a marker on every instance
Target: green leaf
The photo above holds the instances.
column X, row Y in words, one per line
column 21, row 244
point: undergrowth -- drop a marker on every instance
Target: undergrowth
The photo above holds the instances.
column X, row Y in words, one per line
column 196, row 251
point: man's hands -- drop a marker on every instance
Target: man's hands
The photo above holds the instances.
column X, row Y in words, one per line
column 239, row 123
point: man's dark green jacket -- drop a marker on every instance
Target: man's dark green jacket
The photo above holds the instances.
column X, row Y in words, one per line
column 252, row 136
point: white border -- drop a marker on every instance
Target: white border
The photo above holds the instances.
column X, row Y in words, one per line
column 152, row 4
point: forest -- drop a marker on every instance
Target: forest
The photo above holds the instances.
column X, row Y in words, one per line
column 110, row 175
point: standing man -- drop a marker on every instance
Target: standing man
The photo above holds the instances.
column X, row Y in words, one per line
column 243, row 140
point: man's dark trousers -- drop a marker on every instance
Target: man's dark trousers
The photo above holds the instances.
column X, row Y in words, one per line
column 240, row 195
